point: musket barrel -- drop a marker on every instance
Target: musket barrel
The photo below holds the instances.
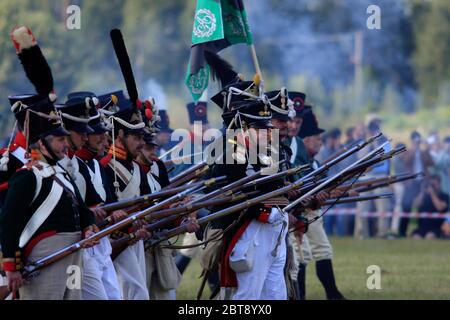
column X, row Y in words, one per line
column 335, row 177
column 30, row 268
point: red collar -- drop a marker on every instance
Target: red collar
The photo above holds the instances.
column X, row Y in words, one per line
column 70, row 153
column 144, row 167
column 120, row 153
column 86, row 154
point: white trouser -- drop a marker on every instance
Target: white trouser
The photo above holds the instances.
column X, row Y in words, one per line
column 99, row 275
column 188, row 240
column 130, row 267
column 4, row 282
column 315, row 243
column 265, row 281
column 156, row 290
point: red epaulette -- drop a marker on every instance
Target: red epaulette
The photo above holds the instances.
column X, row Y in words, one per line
column 105, row 160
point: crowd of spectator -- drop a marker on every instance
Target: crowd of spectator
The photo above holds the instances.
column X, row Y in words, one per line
column 417, row 207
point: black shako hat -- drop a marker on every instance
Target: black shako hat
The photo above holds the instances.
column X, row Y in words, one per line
column 96, row 121
column 198, row 112
column 255, row 114
column 280, row 105
column 39, row 120
column 310, row 125
column 75, row 113
column 164, row 124
column 298, row 99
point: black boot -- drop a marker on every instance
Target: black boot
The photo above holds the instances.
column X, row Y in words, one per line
column 324, row 271
column 301, row 280
column 182, row 262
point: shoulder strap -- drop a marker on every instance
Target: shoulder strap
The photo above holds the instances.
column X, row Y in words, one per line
column 41, row 214
column 123, row 173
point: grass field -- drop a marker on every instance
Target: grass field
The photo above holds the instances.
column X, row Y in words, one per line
column 410, row 269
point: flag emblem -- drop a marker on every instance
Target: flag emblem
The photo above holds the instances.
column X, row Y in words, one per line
column 205, row 23
column 198, row 82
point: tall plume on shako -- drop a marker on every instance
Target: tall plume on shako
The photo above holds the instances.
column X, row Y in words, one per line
column 33, row 61
column 40, row 75
column 125, row 65
column 221, row 70
column 127, row 72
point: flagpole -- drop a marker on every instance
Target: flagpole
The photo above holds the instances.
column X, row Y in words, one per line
column 257, row 68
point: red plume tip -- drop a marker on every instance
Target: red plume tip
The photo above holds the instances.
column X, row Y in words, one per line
column 149, row 114
column 138, row 104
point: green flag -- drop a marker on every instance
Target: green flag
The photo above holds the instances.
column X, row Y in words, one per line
column 235, row 23
column 208, row 24
column 218, row 24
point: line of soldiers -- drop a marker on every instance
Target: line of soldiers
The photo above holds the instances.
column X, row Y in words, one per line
column 67, row 161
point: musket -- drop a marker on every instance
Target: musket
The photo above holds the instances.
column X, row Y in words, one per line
column 342, row 200
column 148, row 198
column 188, row 171
column 192, row 177
column 340, row 151
column 381, row 157
column 368, row 164
column 138, row 203
column 34, row 266
column 249, row 181
column 335, row 179
column 167, row 216
column 167, row 234
column 387, row 183
column 276, row 176
column 366, row 183
column 355, row 148
column 224, row 191
column 312, row 177
column 331, row 202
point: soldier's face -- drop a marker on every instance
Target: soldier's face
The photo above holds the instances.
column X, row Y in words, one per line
column 134, row 144
column 97, row 142
column 313, row 144
column 148, row 152
column 59, row 146
column 282, row 127
column 162, row 138
column 294, row 126
column 260, row 137
column 78, row 139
